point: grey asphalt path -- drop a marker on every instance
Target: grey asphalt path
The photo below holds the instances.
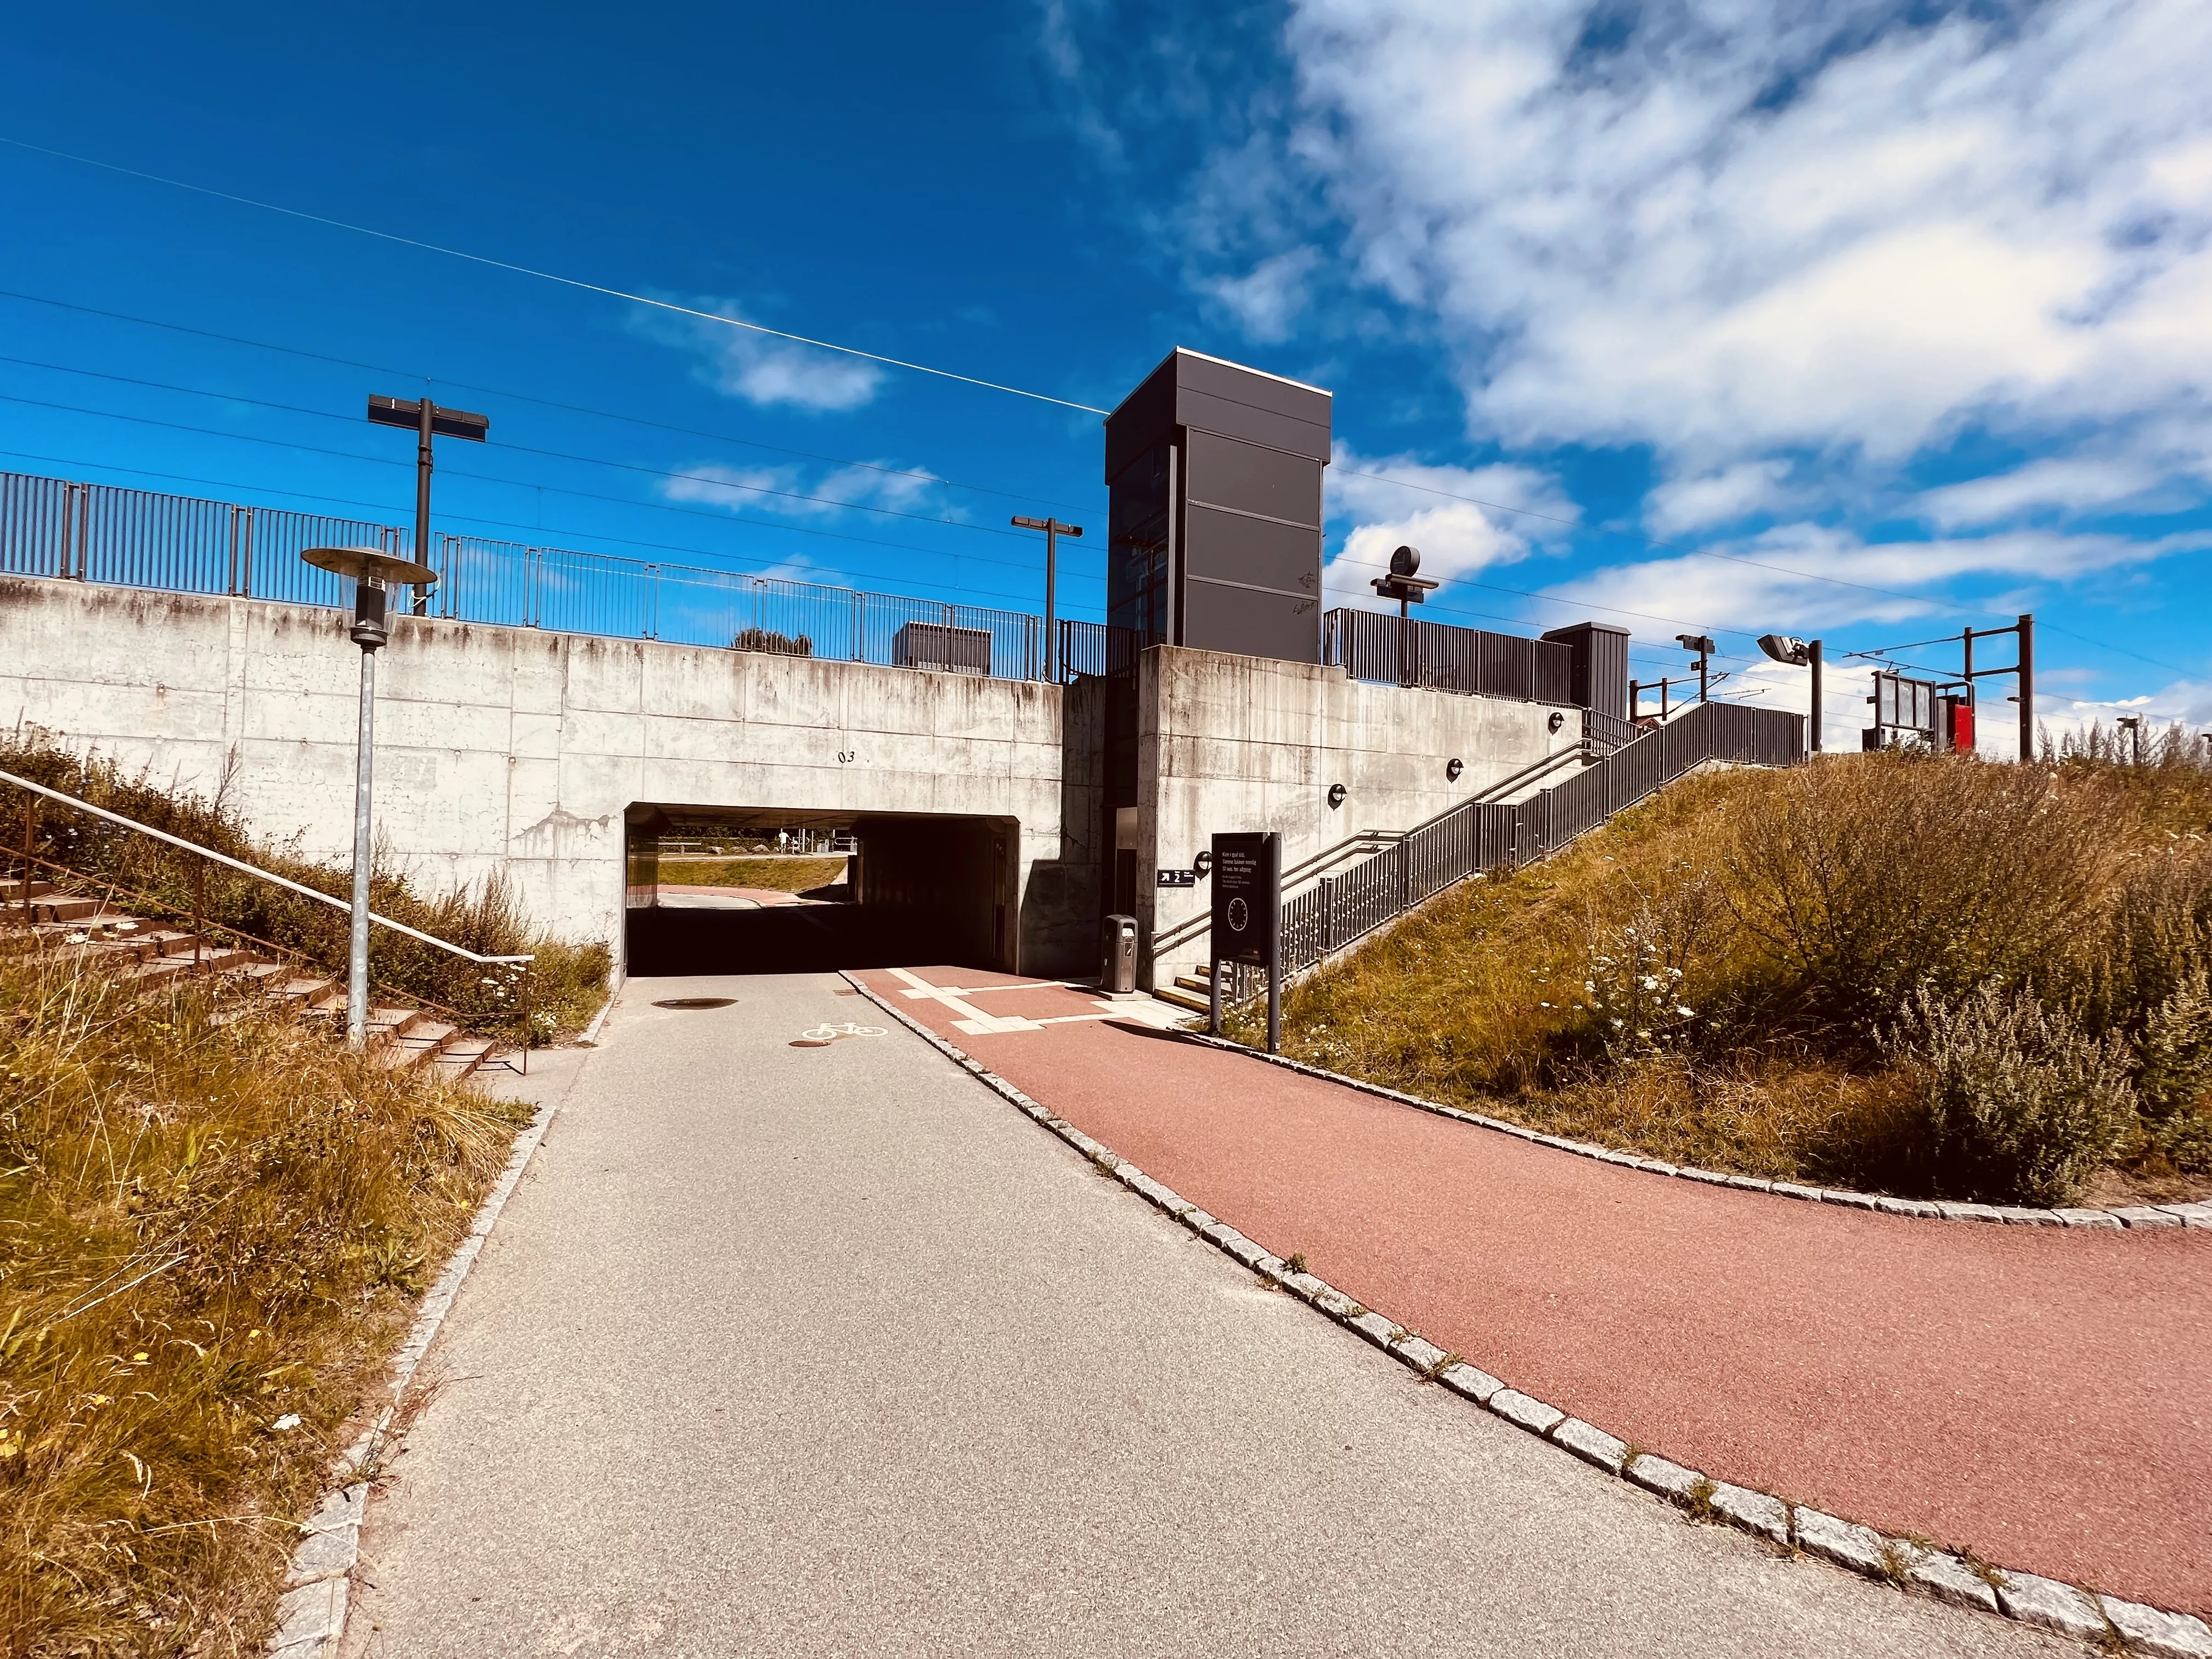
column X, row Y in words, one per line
column 821, row 1350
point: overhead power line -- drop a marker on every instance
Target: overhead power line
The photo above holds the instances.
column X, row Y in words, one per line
column 546, row 275
column 523, row 449
column 528, row 398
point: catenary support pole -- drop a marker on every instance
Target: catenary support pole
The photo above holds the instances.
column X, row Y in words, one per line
column 2027, row 688
column 1819, row 709
column 357, row 949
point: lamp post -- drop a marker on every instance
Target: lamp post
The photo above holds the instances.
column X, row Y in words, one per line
column 1785, row 648
column 2132, row 725
column 1704, row 646
column 1054, row 529
column 374, row 575
column 425, row 420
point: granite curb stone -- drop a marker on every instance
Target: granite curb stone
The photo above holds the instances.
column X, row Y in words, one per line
column 311, row 1617
column 2025, row 1597
column 2166, row 1635
column 2189, row 1215
column 1846, row 1543
column 2034, row 1600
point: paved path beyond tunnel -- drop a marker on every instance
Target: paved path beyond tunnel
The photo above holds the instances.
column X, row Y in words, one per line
column 2039, row 1395
column 827, row 1350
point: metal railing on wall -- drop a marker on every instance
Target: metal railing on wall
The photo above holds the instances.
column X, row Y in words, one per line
column 179, row 543
column 1341, row 909
column 1407, row 650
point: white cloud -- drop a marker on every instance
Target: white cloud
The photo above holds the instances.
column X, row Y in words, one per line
column 1733, row 493
column 1266, row 300
column 2064, row 482
column 1730, row 230
column 1401, row 502
column 786, row 490
column 759, row 367
column 1799, row 577
column 2187, row 703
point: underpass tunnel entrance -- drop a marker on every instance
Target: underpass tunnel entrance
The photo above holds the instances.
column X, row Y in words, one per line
column 772, row 890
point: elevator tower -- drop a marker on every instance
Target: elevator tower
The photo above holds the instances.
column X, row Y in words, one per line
column 1214, row 474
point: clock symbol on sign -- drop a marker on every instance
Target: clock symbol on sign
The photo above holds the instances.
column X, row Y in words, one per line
column 1239, row 914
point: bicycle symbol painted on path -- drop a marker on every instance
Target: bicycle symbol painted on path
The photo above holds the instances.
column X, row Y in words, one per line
column 821, row 1036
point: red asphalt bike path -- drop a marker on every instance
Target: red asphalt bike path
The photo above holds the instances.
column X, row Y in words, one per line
column 2041, row 1396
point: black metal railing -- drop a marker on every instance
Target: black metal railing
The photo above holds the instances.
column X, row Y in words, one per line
column 1405, row 651
column 1089, row 648
column 1478, row 836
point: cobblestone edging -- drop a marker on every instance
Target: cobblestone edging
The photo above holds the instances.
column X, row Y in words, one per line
column 2135, row 1216
column 2032, row 1599
column 311, row 1615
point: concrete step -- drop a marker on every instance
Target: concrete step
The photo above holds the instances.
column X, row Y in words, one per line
column 418, row 1045
column 387, row 1023
column 461, row 1057
column 63, row 908
column 1196, row 1002
column 11, row 890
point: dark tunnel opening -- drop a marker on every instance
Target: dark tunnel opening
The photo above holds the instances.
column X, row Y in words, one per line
column 916, row 890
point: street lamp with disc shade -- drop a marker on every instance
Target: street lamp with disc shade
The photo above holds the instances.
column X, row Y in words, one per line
column 374, row 572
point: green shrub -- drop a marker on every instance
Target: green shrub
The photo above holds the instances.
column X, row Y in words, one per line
column 2018, row 1105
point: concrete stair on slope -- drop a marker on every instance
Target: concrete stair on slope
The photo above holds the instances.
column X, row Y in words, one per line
column 152, row 954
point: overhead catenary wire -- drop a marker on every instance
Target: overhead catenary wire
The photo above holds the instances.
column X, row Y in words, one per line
column 576, row 282
column 543, row 402
column 690, row 476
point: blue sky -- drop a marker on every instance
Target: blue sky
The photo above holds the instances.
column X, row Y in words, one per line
column 1866, row 320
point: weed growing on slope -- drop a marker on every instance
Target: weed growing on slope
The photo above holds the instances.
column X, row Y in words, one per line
column 214, row 1224
column 569, row 980
column 1722, row 977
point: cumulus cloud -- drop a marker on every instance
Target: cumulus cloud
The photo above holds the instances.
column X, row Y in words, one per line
column 759, row 367
column 787, row 490
column 1268, row 299
column 1803, row 579
column 1723, row 497
column 1403, row 502
column 1705, row 226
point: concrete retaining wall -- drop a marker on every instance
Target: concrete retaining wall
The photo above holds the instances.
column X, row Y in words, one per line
column 507, row 748
column 1245, row 742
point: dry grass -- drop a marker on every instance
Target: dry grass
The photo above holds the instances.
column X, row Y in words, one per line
column 1710, row 978
column 569, row 980
column 785, row 875
column 206, row 1224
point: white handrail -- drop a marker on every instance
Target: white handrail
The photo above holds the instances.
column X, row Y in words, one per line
column 250, row 870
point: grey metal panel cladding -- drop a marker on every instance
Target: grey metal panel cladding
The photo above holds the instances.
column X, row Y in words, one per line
column 1239, row 403
column 1251, row 624
column 1233, row 548
column 1146, row 415
column 1254, row 423
column 1253, row 478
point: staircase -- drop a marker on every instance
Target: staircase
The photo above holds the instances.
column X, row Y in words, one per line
column 150, row 953
column 1338, row 903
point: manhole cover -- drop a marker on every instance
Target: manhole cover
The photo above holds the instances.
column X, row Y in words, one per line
column 696, row 1002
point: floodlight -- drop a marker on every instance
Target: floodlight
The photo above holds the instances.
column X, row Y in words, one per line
column 1786, row 647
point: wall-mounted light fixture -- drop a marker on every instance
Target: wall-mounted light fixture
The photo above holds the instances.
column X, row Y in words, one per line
column 1336, row 794
column 1557, row 720
column 1452, row 768
column 1202, row 864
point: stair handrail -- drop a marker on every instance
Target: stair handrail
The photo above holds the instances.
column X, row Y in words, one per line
column 245, row 868
column 1191, row 926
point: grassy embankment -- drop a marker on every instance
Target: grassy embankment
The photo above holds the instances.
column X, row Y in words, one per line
column 777, row 875
column 569, row 980
column 1927, row 976
column 212, row 1234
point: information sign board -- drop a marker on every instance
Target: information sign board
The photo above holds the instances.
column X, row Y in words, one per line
column 1247, row 877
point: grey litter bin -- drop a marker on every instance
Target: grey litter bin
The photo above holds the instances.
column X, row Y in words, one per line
column 1117, row 975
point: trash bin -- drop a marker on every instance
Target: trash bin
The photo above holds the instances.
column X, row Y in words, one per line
column 1117, row 976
